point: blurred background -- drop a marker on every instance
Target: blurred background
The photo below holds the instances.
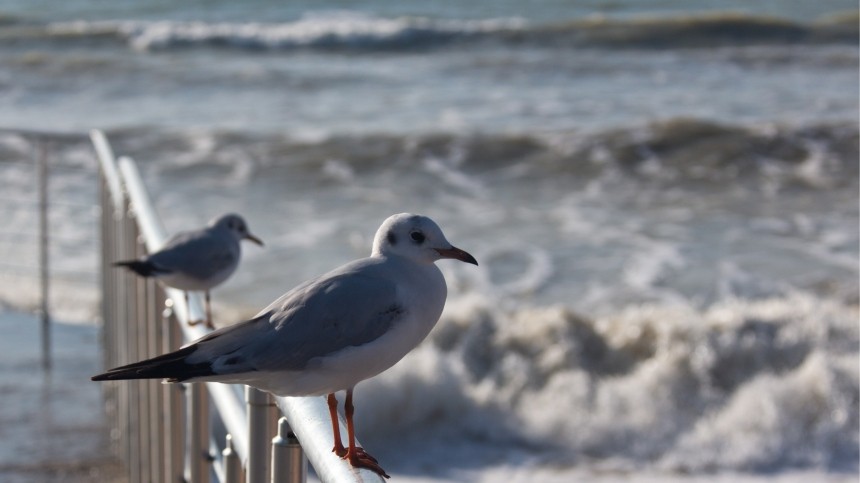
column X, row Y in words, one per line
column 662, row 194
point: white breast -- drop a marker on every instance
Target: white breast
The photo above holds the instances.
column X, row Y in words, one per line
column 423, row 294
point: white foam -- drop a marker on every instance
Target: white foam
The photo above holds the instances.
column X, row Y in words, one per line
column 775, row 418
column 650, row 264
column 739, row 386
column 325, row 29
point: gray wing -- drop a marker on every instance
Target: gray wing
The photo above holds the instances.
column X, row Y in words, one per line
column 349, row 307
column 199, row 254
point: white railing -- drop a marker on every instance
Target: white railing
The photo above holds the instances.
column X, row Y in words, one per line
column 189, row 432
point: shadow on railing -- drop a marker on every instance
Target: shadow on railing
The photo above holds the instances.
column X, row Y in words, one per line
column 189, row 432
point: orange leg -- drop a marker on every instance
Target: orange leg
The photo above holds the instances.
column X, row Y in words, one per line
column 208, row 320
column 190, row 322
column 209, row 312
column 338, row 448
column 357, row 457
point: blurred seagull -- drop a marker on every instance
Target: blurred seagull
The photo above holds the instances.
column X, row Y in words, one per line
column 197, row 260
column 329, row 333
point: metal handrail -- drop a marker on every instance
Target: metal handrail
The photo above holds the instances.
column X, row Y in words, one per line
column 249, row 423
column 309, row 420
column 107, row 161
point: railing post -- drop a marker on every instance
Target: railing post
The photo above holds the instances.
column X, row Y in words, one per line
column 232, row 463
column 174, row 423
column 157, row 390
column 289, row 464
column 199, row 457
column 261, row 430
column 131, row 350
column 108, row 290
column 42, row 166
column 140, row 319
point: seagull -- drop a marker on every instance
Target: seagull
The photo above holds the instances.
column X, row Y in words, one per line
column 328, row 333
column 197, row 260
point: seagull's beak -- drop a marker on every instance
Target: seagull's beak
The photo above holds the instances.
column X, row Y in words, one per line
column 254, row 239
column 456, row 254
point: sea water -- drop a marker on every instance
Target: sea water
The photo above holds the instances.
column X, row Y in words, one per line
column 663, row 197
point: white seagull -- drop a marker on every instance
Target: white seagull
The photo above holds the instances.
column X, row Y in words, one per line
column 197, row 260
column 329, row 333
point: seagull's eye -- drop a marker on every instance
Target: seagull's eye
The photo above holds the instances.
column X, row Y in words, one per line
column 417, row 236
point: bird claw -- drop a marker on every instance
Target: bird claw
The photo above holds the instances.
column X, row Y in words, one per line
column 339, row 450
column 359, row 458
column 361, row 453
column 208, row 323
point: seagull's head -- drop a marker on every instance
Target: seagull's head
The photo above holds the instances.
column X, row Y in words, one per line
column 236, row 225
column 417, row 238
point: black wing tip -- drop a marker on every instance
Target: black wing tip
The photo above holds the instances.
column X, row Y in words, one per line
column 171, row 366
column 132, row 375
column 126, row 263
column 122, row 374
column 119, row 374
column 140, row 267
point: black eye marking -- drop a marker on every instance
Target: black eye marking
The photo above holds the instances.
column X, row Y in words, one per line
column 392, row 239
column 417, row 237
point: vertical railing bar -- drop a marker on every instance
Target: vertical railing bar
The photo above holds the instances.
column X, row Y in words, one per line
column 42, row 167
column 216, row 461
column 175, row 405
column 140, row 319
column 153, row 322
column 107, row 299
column 123, row 341
column 120, row 332
column 273, row 415
column 199, row 433
column 232, row 463
column 261, row 429
column 289, row 464
column 216, row 469
column 132, row 352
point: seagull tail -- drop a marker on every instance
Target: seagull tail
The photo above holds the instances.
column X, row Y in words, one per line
column 140, row 267
column 173, row 367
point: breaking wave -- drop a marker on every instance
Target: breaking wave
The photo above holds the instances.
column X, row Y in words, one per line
column 683, row 149
column 352, row 31
column 737, row 386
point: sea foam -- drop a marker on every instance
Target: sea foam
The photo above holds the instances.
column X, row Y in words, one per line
column 354, row 30
column 737, row 386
